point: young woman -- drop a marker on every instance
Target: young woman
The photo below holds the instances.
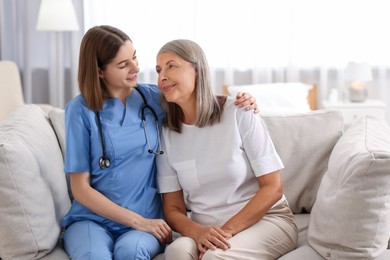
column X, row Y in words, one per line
column 112, row 140
column 220, row 163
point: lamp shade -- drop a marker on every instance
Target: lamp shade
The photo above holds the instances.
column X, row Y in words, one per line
column 57, row 15
column 358, row 71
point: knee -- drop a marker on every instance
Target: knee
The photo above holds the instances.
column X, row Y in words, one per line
column 182, row 248
column 126, row 252
column 79, row 245
column 138, row 245
column 84, row 251
column 173, row 250
column 217, row 254
column 138, row 250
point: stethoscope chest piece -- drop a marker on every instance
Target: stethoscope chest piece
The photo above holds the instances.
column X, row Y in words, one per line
column 104, row 163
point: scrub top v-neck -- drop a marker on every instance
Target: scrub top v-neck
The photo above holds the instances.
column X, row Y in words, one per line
column 130, row 180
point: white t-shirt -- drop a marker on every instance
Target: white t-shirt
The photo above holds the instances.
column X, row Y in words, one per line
column 216, row 166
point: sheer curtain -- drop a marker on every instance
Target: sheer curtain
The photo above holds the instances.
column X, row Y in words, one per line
column 256, row 41
column 246, row 41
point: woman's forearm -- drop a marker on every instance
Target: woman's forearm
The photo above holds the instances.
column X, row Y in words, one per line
column 99, row 204
column 255, row 209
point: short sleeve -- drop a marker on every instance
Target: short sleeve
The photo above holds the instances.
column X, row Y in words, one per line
column 257, row 143
column 77, row 137
column 167, row 179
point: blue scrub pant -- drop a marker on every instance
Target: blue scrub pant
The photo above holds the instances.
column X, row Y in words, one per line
column 89, row 240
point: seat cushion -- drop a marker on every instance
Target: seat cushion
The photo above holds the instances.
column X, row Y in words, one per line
column 303, row 252
column 33, row 192
column 302, row 222
column 351, row 216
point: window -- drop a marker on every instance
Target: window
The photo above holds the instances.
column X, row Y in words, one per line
column 249, row 33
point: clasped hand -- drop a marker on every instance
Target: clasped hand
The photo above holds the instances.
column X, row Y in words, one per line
column 158, row 228
column 212, row 238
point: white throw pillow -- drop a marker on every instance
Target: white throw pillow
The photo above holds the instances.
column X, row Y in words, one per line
column 33, row 192
column 279, row 97
column 351, row 216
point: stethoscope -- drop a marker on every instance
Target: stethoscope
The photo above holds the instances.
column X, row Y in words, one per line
column 104, row 161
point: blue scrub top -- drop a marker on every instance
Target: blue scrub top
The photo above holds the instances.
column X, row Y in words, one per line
column 130, row 181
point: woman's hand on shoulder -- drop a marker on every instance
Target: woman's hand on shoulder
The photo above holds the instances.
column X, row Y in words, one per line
column 246, row 100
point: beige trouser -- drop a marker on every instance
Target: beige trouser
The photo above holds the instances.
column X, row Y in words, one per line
column 274, row 235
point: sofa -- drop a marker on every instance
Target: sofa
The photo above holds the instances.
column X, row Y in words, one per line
column 337, row 182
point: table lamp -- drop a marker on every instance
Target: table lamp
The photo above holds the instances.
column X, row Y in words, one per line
column 357, row 74
column 57, row 16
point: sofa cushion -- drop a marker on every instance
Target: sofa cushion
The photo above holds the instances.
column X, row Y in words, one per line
column 302, row 223
column 304, row 143
column 57, row 119
column 33, row 193
column 302, row 253
column 351, row 216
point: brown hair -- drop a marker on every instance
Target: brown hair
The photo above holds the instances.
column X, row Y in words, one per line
column 209, row 107
column 99, row 46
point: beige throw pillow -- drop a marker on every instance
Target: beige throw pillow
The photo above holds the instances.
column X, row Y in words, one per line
column 57, row 118
column 351, row 216
column 33, row 192
column 304, row 143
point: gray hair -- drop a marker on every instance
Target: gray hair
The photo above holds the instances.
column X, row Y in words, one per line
column 208, row 106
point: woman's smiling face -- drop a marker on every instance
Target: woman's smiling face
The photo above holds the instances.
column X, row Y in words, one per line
column 176, row 78
column 121, row 73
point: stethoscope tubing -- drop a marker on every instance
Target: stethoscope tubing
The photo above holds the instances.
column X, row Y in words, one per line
column 104, row 161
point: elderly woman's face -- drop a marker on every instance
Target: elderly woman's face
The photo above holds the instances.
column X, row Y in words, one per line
column 176, row 78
